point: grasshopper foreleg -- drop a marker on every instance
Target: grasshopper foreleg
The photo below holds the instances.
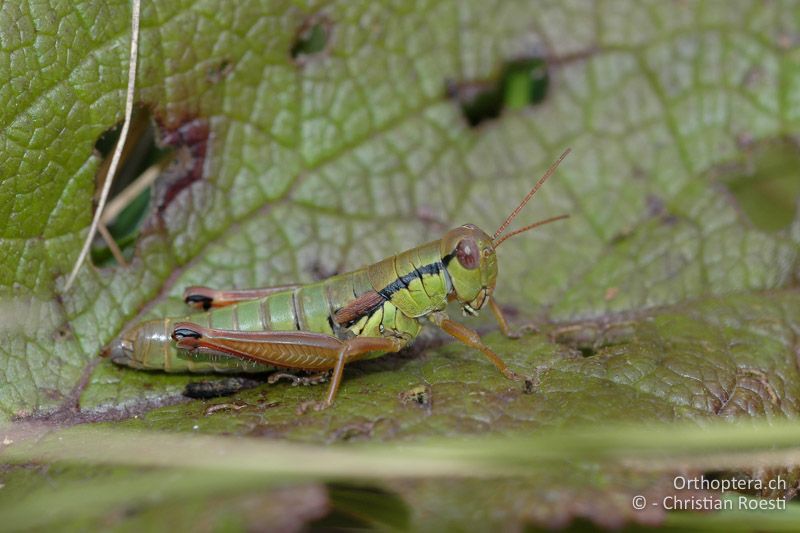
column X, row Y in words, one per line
column 501, row 320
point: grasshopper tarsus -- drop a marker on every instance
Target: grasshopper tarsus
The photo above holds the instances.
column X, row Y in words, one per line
column 528, row 385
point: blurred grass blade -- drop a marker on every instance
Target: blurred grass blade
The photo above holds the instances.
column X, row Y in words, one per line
column 661, row 447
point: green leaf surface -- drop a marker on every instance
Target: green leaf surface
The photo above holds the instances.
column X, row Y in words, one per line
column 670, row 294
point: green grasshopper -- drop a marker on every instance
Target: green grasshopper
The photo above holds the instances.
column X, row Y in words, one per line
column 369, row 312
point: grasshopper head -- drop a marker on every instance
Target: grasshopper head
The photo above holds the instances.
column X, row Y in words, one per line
column 468, row 252
column 468, row 255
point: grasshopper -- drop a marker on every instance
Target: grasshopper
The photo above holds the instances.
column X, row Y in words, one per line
column 323, row 326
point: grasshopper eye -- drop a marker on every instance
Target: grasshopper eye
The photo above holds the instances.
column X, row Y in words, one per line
column 468, row 254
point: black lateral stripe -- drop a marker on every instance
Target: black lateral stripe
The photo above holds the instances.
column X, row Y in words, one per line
column 433, row 268
column 419, row 274
column 446, row 259
column 392, row 288
column 404, row 281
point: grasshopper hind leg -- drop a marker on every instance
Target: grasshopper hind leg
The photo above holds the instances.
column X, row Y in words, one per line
column 302, row 350
column 205, row 298
column 198, row 301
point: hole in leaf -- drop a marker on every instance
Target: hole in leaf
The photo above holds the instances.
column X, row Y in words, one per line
column 591, row 339
column 312, row 38
column 63, row 333
column 525, row 82
column 219, row 71
column 520, row 83
column 766, row 186
column 129, row 197
column 587, row 351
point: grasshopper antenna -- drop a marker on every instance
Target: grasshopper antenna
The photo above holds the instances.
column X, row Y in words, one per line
column 497, row 242
column 525, row 200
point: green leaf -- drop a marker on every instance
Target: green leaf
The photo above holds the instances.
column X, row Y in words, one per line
column 319, row 137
